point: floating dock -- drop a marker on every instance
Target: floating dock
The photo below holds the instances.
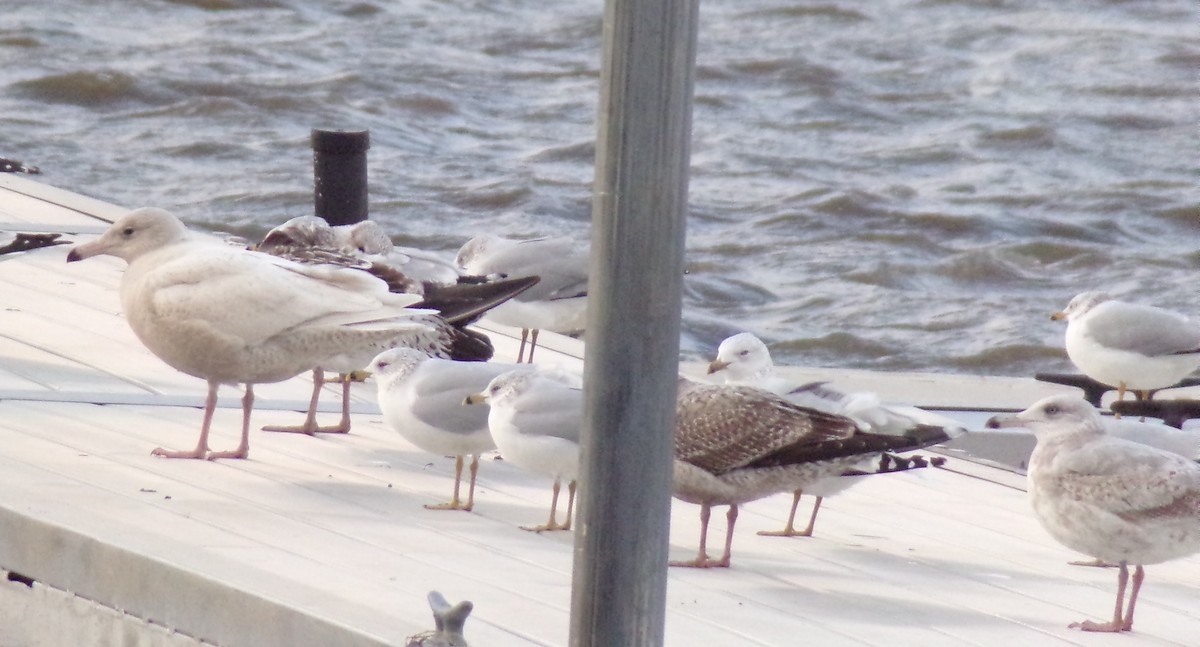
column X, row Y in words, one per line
column 323, row 541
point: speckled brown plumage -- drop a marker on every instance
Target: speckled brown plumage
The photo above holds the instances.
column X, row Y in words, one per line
column 712, row 433
column 735, row 444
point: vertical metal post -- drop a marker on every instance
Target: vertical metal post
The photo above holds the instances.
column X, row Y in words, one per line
column 340, row 175
column 632, row 353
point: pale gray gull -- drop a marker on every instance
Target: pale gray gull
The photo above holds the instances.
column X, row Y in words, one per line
column 449, row 622
column 744, row 359
column 228, row 315
column 422, row 399
column 535, row 418
column 1116, row 500
column 1129, row 346
column 558, row 303
column 735, row 444
column 365, row 246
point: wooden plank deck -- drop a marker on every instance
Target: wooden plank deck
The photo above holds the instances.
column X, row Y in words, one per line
column 324, row 541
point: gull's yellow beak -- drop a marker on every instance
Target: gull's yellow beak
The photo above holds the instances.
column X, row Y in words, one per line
column 1058, row 316
column 476, row 398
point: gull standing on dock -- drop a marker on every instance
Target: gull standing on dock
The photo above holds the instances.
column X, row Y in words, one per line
column 743, row 359
column 535, row 418
column 735, row 444
column 1129, row 346
column 421, row 398
column 559, row 301
column 228, row 315
column 1116, row 500
column 364, row 245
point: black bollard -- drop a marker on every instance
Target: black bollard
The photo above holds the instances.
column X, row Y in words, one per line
column 340, row 175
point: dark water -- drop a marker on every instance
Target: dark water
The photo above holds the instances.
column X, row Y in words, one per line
column 896, row 185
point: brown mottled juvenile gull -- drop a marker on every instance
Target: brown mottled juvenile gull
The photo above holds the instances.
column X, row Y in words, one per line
column 559, row 301
column 228, row 315
column 743, row 359
column 1129, row 346
column 735, row 444
column 364, row 245
column 421, row 398
column 1116, row 500
column 535, row 418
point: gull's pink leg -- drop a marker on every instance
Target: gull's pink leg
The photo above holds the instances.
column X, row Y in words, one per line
column 533, row 334
column 243, row 448
column 701, row 560
column 1139, row 574
column 1117, row 623
column 201, row 450
column 731, row 517
column 570, row 504
column 521, row 351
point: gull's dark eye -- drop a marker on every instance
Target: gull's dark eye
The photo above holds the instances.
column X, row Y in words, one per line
column 383, row 365
column 743, row 353
column 128, row 231
column 1052, row 410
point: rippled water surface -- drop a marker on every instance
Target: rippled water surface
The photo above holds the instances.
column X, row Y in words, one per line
column 896, row 185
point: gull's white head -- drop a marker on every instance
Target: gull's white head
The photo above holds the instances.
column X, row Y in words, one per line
column 368, row 237
column 1081, row 305
column 134, row 234
column 473, row 255
column 396, row 363
column 504, row 388
column 740, row 358
column 1055, row 415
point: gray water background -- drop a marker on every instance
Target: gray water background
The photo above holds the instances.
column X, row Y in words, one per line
column 890, row 185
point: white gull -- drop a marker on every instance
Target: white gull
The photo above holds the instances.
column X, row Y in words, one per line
column 1116, row 500
column 558, row 303
column 229, row 316
column 535, row 419
column 1129, row 346
column 421, row 398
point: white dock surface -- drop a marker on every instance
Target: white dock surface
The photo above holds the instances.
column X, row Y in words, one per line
column 324, row 540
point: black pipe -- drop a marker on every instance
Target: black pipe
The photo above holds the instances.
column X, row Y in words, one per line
column 340, row 175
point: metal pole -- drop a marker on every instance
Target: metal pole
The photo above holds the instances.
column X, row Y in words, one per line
column 632, row 353
column 340, row 175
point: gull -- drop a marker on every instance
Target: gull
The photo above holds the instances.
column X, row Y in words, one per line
column 1184, row 442
column 559, row 301
column 228, row 315
column 8, row 165
column 372, row 243
column 1114, row 499
column 22, row 242
column 745, row 360
column 535, row 418
column 1129, row 346
column 365, row 246
column 735, row 444
column 421, row 398
column 449, row 620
